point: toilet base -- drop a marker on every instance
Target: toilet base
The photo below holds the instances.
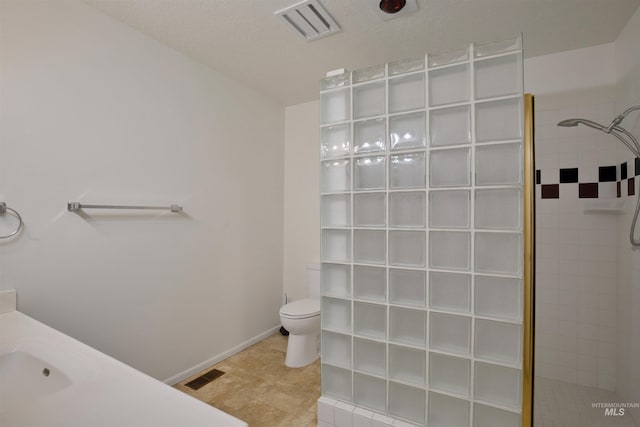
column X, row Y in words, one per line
column 302, row 350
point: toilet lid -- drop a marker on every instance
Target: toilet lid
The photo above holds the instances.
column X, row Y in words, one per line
column 301, row 309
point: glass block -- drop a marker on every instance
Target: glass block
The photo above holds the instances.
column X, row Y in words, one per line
column 449, row 250
column 369, row 173
column 369, row 136
column 450, row 168
column 407, row 248
column 333, row 82
column 335, row 280
column 407, row 326
column 499, row 76
column 369, row 209
column 407, row 170
column 369, row 392
column 370, row 283
column 450, row 333
column 336, row 176
column 449, row 374
column 450, row 126
column 370, row 320
column 493, row 48
column 335, row 141
column 499, row 120
column 407, row 287
column 407, row 209
column 498, row 253
column 336, row 349
column 407, row 364
column 336, row 245
column 406, row 93
column 446, row 411
column 449, row 209
column 335, row 106
column 449, row 85
column 406, row 66
column 499, row 297
column 336, row 382
column 368, row 100
column 370, row 246
column 450, row 291
column 498, row 385
column 499, row 164
column 366, row 74
column 407, row 402
column 499, row 209
column 369, row 356
column 447, row 58
column 498, row 341
column 407, row 131
column 336, row 210
column 488, row 416
column 336, row 314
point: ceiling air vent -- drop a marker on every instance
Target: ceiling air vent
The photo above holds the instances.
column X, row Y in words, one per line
column 309, row 19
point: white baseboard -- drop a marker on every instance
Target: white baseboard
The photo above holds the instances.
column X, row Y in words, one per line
column 220, row 357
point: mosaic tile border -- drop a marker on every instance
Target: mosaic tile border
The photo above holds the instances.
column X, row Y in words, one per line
column 592, row 190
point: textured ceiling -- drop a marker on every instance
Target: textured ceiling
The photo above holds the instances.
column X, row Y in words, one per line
column 244, row 40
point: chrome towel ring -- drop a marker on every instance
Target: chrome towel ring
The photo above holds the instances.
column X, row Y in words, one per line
column 3, row 209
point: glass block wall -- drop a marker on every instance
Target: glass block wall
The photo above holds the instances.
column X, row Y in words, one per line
column 422, row 245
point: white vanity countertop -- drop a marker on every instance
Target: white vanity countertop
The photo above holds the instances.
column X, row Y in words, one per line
column 104, row 391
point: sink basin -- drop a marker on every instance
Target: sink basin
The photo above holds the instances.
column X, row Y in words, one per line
column 24, row 378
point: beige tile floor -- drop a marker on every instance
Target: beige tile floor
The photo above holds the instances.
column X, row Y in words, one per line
column 258, row 388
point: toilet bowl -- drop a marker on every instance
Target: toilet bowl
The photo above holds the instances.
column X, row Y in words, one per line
column 302, row 319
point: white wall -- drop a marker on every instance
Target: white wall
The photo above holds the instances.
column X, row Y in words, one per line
column 628, row 351
column 301, row 200
column 94, row 111
column 569, row 71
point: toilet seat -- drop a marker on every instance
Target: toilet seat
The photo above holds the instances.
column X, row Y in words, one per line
column 301, row 309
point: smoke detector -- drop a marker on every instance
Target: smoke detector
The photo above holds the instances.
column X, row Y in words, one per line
column 309, row 19
column 391, row 9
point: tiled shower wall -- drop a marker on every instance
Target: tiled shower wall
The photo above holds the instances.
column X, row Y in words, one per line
column 576, row 250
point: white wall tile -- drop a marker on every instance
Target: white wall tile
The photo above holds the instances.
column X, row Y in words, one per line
column 546, row 370
column 325, row 409
column 343, row 415
column 362, row 418
column 568, row 359
column 606, row 366
column 587, row 363
column 587, row 332
column 606, row 350
column 382, row 421
column 587, row 378
column 568, row 374
column 567, row 328
column 607, row 382
column 587, row 347
column 399, row 423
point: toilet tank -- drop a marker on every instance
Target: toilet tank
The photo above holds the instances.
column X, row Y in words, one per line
column 313, row 280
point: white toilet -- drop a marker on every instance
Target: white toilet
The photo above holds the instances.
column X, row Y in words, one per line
column 302, row 319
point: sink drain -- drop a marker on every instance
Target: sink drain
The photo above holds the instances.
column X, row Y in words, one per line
column 46, row 372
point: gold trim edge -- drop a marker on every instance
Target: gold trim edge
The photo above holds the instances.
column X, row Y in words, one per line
column 529, row 262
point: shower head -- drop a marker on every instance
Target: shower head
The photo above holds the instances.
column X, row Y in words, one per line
column 628, row 140
column 576, row 122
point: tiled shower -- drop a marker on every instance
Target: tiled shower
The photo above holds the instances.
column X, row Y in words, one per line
column 422, row 238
